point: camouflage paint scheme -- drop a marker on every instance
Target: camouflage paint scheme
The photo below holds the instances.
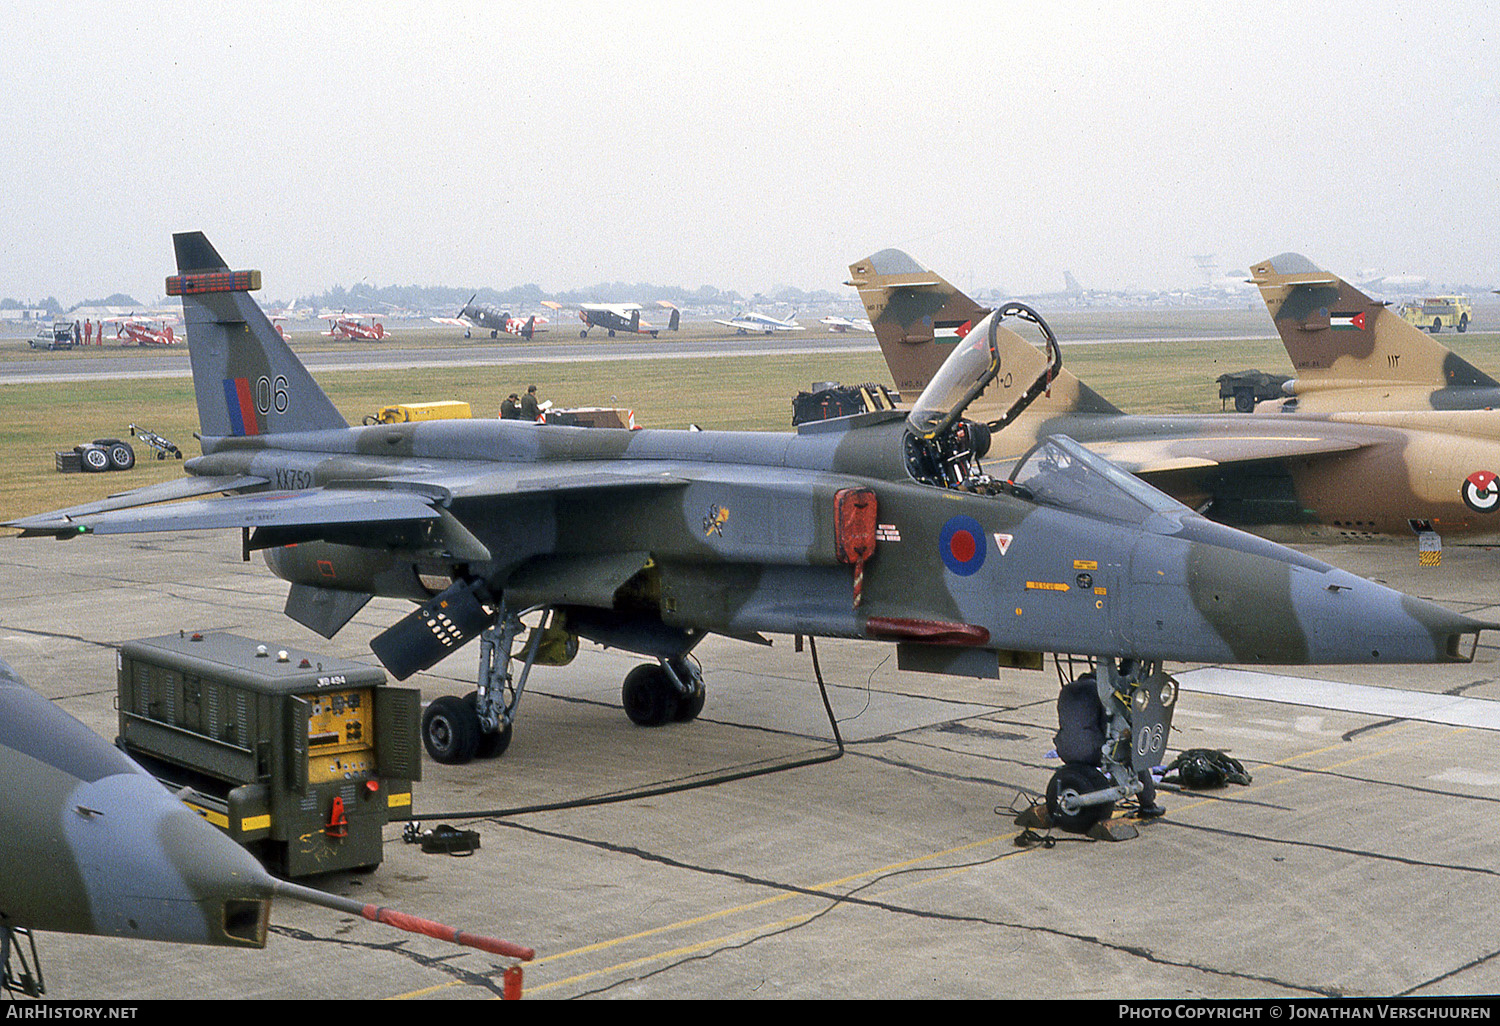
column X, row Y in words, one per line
column 93, row 844
column 1333, row 465
column 1351, row 352
column 648, row 540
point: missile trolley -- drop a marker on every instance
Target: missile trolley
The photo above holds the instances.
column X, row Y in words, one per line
column 301, row 758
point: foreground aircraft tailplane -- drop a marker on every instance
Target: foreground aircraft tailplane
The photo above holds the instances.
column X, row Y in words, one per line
column 918, row 318
column 1340, row 338
column 244, row 373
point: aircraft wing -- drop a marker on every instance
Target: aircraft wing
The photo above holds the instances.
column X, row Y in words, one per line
column 67, row 520
column 457, row 322
column 412, row 498
column 1146, row 456
column 308, row 506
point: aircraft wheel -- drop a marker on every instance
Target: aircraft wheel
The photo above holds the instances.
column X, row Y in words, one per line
column 94, row 458
column 648, row 696
column 492, row 744
column 1072, row 780
column 450, row 731
column 121, row 456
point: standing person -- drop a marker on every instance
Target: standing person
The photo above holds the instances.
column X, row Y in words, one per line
column 531, row 410
column 511, row 408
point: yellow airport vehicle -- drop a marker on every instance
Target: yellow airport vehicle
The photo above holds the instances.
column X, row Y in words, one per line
column 404, row 413
column 1436, row 312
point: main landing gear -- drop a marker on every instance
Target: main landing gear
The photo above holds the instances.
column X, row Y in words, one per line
column 1132, row 718
column 480, row 725
column 654, row 693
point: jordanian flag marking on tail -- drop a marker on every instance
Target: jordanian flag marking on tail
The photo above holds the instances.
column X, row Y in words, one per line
column 241, row 405
column 1347, row 321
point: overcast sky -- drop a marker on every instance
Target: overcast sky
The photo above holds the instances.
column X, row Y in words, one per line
column 743, row 145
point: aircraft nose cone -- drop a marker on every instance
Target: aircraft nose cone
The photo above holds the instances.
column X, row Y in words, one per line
column 227, row 884
column 154, row 869
column 1271, row 604
column 1349, row 619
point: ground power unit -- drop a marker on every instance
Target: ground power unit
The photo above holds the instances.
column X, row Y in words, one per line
column 300, row 757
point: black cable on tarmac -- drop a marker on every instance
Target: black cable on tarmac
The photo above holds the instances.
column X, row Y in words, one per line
column 652, row 792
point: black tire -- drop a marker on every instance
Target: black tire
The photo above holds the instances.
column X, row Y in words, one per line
column 1437, row 325
column 94, row 459
column 1463, row 324
column 1076, row 779
column 450, row 731
column 121, row 456
column 491, row 745
column 648, row 696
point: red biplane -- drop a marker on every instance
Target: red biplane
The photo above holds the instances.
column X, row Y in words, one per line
column 353, row 328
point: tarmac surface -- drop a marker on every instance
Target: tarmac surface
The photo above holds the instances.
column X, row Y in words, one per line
column 1360, row 860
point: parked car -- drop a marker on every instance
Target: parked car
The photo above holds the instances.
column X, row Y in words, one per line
column 56, row 336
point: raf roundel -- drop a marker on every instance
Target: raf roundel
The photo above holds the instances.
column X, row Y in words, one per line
column 962, row 545
column 1481, row 491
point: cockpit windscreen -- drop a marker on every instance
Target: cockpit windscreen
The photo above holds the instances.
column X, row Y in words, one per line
column 1060, row 472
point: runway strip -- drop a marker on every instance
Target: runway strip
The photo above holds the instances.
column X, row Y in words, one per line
column 1336, row 696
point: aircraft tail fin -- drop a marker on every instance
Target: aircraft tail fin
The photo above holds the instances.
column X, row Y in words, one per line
column 1335, row 333
column 247, row 381
column 529, row 330
column 918, row 318
column 675, row 320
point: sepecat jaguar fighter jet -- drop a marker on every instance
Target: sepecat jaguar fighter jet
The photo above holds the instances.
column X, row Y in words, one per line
column 882, row 526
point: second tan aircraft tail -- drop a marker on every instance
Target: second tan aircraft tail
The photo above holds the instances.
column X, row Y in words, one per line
column 1338, row 337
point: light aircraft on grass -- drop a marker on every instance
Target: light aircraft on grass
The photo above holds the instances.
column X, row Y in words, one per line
column 626, row 317
column 352, row 328
column 881, row 526
column 747, row 321
column 487, row 317
column 142, row 331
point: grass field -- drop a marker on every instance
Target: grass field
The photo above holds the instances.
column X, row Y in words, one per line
column 742, row 393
